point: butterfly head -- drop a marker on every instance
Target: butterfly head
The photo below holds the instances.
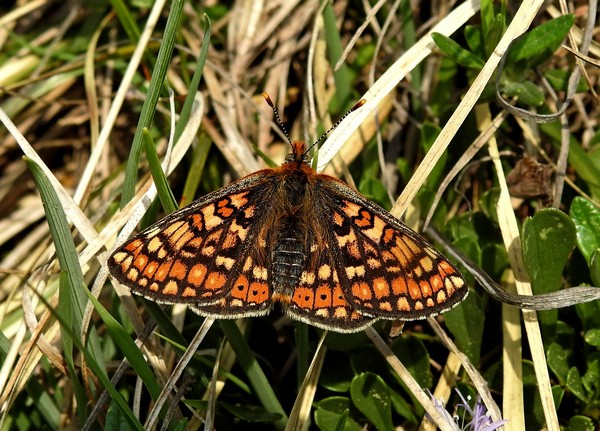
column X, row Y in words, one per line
column 299, row 153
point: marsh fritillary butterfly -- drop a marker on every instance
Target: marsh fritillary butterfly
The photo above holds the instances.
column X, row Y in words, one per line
column 328, row 255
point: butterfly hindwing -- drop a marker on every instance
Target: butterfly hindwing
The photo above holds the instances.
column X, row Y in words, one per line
column 319, row 298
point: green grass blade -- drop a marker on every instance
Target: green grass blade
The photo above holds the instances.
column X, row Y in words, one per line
column 128, row 348
column 99, row 372
column 126, row 20
column 257, row 377
column 199, row 157
column 154, row 89
column 189, row 99
column 61, row 236
column 71, row 299
column 162, row 186
column 343, row 82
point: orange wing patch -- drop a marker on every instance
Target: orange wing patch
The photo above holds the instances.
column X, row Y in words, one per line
column 319, row 299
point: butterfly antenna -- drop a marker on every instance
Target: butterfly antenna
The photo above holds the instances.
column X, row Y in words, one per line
column 358, row 104
column 277, row 117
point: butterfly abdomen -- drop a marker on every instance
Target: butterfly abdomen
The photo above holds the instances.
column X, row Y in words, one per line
column 288, row 256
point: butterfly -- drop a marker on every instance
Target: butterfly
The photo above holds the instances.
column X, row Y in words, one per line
column 290, row 235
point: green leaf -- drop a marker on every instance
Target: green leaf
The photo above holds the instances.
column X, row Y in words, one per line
column 558, row 392
column 371, row 396
column 403, row 407
column 414, row 355
column 591, row 378
column 337, row 373
column 194, row 176
column 115, row 419
column 429, row 133
column 548, row 239
column 473, row 38
column 188, row 104
column 71, row 282
column 587, row 168
column 587, row 225
column 489, row 203
column 364, row 55
column 181, row 425
column 559, row 79
column 540, row 43
column 589, row 314
column 98, row 372
column 331, row 410
column 441, row 102
column 341, row 76
column 126, row 20
column 494, row 33
column 374, row 190
column 595, row 267
column 465, row 321
column 565, row 336
column 494, row 259
column 592, row 337
column 487, row 15
column 341, row 423
column 527, row 92
column 469, row 246
column 534, row 419
column 580, row 423
column 66, row 252
column 575, row 385
column 557, row 362
column 456, row 52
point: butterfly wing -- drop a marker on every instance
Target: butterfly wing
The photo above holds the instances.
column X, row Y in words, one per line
column 319, row 297
column 385, row 268
column 205, row 254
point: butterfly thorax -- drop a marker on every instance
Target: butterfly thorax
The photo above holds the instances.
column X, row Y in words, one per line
column 288, row 253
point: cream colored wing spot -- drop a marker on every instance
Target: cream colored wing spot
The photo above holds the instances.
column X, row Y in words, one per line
column 260, row 273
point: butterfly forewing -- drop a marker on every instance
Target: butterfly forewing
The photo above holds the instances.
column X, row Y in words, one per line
column 387, row 270
column 190, row 255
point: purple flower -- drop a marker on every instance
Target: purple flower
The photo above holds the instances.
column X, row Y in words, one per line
column 480, row 420
column 439, row 405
